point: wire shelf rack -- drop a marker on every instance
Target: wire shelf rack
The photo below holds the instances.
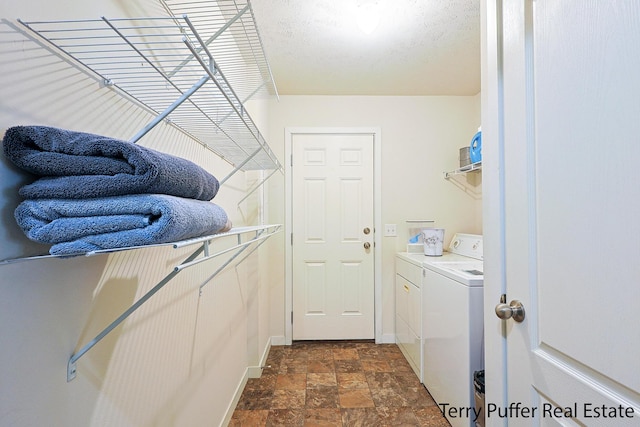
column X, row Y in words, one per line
column 195, row 67
column 473, row 167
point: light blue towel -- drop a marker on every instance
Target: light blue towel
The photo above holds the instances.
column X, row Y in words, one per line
column 80, row 226
column 77, row 165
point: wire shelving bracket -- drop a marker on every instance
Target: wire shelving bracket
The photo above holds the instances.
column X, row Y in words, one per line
column 202, row 253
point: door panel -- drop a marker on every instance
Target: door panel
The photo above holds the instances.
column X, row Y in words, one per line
column 571, row 209
column 333, row 273
column 314, row 214
column 315, row 275
column 351, row 206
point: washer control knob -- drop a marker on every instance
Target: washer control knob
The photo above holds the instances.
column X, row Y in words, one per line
column 514, row 310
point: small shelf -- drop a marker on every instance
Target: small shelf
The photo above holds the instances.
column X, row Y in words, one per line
column 473, row 167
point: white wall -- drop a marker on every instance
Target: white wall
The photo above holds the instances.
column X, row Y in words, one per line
column 179, row 359
column 421, row 137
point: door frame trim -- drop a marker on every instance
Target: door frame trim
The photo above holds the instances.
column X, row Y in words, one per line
column 493, row 206
column 377, row 219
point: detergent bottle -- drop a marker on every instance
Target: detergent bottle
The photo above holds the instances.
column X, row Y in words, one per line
column 475, row 149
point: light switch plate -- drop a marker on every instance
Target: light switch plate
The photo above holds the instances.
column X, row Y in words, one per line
column 390, row 230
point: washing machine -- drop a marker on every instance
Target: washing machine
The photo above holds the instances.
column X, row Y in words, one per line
column 452, row 328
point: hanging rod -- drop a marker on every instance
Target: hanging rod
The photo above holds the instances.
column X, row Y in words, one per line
column 261, row 234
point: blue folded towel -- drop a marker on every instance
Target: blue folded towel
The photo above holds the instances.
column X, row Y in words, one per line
column 77, row 165
column 78, row 226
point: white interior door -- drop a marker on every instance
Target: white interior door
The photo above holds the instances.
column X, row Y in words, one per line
column 572, row 209
column 332, row 224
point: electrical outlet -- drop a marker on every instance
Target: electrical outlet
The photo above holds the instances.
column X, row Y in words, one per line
column 390, row 230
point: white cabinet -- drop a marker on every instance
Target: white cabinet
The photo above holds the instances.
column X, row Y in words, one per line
column 408, row 292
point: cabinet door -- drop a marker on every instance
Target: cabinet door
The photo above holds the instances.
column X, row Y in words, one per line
column 414, row 306
column 403, row 288
column 411, row 272
column 408, row 321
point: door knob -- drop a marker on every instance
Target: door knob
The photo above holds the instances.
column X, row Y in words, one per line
column 514, row 310
column 367, row 245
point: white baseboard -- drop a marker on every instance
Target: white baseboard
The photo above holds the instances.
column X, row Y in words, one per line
column 250, row 372
column 236, row 399
column 387, row 339
column 256, row 371
column 384, row 339
column 278, row 340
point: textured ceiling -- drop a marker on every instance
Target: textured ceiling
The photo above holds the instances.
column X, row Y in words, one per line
column 420, row 47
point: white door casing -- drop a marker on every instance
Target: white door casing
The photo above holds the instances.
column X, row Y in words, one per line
column 332, row 280
column 562, row 131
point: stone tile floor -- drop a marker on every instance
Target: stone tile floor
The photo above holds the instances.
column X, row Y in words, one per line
column 336, row 383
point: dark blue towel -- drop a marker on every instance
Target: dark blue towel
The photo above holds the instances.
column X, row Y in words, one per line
column 75, row 226
column 77, row 165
